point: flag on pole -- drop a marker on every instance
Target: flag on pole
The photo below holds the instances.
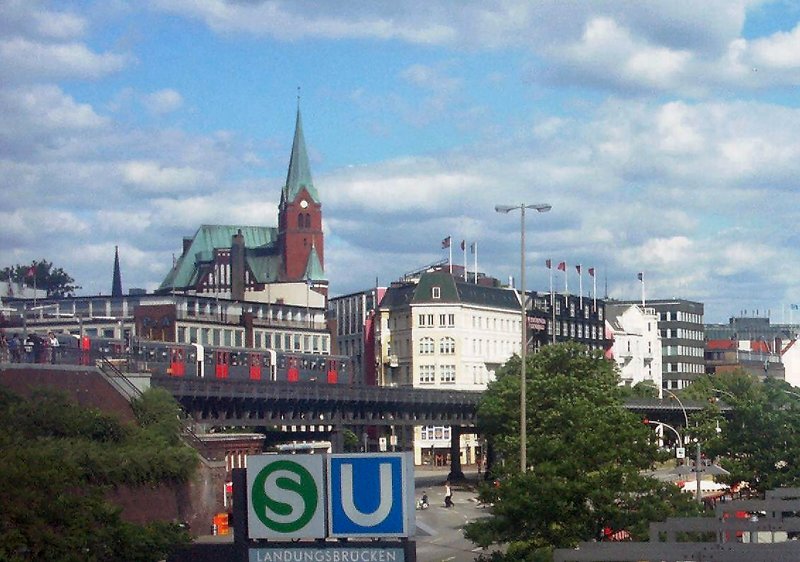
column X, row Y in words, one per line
column 641, row 278
column 464, row 249
column 562, row 266
column 794, row 306
column 578, row 268
column 548, row 264
column 472, row 247
column 446, row 243
column 594, row 289
column 591, row 272
column 580, row 286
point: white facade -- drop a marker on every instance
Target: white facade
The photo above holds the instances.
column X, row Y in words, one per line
column 454, row 344
column 790, row 356
column 637, row 343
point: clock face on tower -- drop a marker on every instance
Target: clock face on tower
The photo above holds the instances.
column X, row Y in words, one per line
column 303, row 203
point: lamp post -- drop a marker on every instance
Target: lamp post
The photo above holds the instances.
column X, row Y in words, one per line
column 541, row 208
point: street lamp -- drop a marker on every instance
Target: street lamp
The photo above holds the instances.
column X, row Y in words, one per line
column 541, row 208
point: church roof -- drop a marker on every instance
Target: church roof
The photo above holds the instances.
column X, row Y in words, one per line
column 299, row 175
column 261, row 255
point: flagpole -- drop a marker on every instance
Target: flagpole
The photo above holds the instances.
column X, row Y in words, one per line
column 476, row 262
column 641, row 278
column 464, row 248
column 580, row 286
column 594, row 290
column 566, row 279
column 450, row 260
column 552, row 301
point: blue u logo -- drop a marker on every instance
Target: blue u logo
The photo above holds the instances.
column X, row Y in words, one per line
column 366, row 495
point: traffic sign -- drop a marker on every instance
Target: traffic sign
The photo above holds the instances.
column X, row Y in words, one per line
column 368, row 495
column 285, row 496
column 680, row 453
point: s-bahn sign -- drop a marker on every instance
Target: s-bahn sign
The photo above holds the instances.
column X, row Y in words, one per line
column 317, row 496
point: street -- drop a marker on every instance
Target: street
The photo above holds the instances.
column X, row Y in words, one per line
column 439, row 529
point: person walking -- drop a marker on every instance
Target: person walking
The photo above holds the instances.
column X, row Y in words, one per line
column 28, row 346
column 53, row 345
column 14, row 348
column 448, row 495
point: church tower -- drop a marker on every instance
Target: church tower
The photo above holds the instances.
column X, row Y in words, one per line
column 300, row 237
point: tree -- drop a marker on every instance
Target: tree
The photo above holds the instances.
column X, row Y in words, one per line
column 58, row 459
column 42, row 275
column 759, row 441
column 586, row 454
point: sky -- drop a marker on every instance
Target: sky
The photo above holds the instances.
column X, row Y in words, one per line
column 663, row 134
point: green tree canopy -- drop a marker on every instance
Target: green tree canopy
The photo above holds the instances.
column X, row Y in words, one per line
column 759, row 441
column 57, row 459
column 586, row 456
column 42, row 275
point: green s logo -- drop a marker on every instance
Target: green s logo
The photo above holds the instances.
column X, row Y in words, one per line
column 284, row 496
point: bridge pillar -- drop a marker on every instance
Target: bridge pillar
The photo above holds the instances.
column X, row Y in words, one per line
column 337, row 439
column 455, row 454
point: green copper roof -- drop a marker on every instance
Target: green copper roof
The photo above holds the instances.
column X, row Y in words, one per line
column 314, row 270
column 299, row 175
column 260, row 253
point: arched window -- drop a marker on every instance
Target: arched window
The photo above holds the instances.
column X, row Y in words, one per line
column 300, row 221
column 308, row 220
column 426, row 346
column 447, row 346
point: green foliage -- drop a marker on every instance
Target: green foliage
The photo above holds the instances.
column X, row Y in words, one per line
column 643, row 389
column 57, row 460
column 55, row 281
column 585, row 451
column 760, row 441
column 351, row 442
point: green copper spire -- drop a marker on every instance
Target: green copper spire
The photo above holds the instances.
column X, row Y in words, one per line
column 299, row 175
column 314, row 270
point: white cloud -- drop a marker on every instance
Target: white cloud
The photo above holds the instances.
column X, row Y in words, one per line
column 780, row 51
column 154, row 177
column 22, row 59
column 163, row 101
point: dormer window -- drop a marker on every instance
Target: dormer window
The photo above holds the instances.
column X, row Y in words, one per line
column 436, row 292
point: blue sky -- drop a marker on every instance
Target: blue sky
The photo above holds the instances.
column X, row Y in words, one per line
column 663, row 134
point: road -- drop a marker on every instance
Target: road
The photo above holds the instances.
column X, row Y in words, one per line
column 440, row 534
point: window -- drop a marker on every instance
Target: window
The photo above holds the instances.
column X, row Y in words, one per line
column 443, row 320
column 436, row 292
column 421, row 320
column 427, row 374
column 447, row 346
column 451, row 320
column 447, row 374
column 426, row 346
column 430, row 319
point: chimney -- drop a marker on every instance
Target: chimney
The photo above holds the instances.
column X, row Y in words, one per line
column 237, row 266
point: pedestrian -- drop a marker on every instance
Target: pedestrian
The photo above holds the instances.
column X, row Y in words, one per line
column 448, row 495
column 3, row 348
column 28, row 346
column 14, row 346
column 52, row 341
column 38, row 349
